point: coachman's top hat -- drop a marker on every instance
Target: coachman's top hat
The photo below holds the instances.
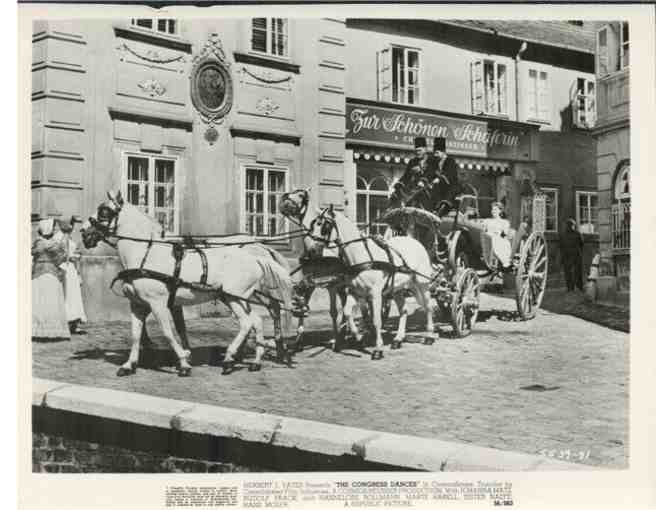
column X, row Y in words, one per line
column 420, row 142
column 440, row 144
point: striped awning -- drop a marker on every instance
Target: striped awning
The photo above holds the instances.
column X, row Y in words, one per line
column 484, row 165
column 401, row 157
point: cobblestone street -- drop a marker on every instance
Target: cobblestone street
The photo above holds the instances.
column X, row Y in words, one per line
column 556, row 385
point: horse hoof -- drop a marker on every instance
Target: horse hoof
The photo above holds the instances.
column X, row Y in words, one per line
column 376, row 355
column 125, row 371
column 396, row 344
column 429, row 340
column 254, row 367
column 184, row 372
column 227, row 367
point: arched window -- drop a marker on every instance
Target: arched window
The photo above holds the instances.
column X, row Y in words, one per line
column 622, row 182
column 372, row 200
column 620, row 209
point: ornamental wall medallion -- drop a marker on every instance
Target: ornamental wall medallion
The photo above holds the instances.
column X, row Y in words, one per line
column 267, row 106
column 152, row 87
column 211, row 84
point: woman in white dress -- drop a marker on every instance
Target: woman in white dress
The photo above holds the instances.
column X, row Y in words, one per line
column 498, row 228
column 74, row 306
column 48, row 253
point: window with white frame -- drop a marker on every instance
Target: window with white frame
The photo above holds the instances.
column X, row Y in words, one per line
column 538, row 96
column 624, row 46
column 399, row 75
column 271, row 36
column 372, row 200
column 586, row 211
column 551, row 209
column 162, row 26
column 149, row 183
column 263, row 188
column 583, row 103
column 489, row 87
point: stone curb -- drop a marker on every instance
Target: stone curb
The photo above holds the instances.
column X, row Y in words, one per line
column 402, row 451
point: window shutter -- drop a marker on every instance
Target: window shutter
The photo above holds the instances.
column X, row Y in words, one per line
column 602, row 56
column 531, row 94
column 259, row 35
column 591, row 104
column 544, row 97
column 503, row 92
column 477, row 87
column 574, row 101
column 539, row 213
column 384, row 66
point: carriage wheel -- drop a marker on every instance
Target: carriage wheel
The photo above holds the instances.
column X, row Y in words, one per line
column 531, row 275
column 458, row 258
column 465, row 303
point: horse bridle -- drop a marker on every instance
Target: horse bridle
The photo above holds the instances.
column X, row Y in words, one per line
column 106, row 222
column 300, row 215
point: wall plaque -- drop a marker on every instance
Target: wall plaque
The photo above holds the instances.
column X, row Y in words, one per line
column 211, row 85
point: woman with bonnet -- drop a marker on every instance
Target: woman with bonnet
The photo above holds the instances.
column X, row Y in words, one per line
column 74, row 306
column 49, row 251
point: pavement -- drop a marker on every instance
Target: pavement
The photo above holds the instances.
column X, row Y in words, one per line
column 555, row 386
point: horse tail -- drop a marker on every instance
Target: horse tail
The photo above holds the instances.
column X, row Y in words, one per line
column 277, row 282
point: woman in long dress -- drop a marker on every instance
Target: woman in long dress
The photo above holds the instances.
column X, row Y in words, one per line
column 49, row 251
column 74, row 306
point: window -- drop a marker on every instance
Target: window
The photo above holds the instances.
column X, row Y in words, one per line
column 622, row 183
column 399, row 75
column 270, row 35
column 624, row 47
column 538, row 98
column 488, row 87
column 263, row 189
column 163, row 26
column 372, row 200
column 551, row 209
column 583, row 103
column 586, row 211
column 149, row 183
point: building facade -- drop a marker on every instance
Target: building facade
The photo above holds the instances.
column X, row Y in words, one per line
column 204, row 123
column 516, row 101
column 612, row 132
column 201, row 123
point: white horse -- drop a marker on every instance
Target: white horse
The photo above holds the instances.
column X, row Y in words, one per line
column 409, row 269
column 295, row 206
column 234, row 276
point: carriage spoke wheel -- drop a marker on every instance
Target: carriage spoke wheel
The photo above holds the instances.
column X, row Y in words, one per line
column 465, row 302
column 531, row 275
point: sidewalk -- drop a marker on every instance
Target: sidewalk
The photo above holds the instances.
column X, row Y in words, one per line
column 610, row 315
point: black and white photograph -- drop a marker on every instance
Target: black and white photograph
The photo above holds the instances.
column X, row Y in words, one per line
column 331, row 244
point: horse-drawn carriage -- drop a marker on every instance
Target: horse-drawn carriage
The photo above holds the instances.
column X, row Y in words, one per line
column 464, row 256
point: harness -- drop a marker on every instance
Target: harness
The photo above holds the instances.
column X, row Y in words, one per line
column 107, row 223
column 353, row 270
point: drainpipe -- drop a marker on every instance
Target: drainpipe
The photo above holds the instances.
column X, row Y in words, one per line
column 522, row 49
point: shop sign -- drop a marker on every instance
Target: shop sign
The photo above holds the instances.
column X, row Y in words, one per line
column 470, row 137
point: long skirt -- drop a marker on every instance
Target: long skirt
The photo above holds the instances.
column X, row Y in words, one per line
column 49, row 320
column 74, row 307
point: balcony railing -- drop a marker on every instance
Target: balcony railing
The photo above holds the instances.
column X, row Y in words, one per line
column 620, row 226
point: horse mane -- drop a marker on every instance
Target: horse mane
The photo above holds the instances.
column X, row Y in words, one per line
column 154, row 226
